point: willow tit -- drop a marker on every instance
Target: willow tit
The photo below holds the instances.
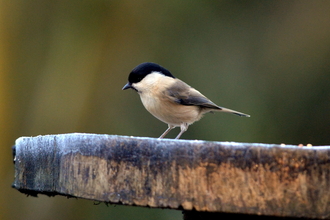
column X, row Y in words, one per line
column 169, row 99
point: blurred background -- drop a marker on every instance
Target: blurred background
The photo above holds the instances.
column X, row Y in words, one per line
column 63, row 64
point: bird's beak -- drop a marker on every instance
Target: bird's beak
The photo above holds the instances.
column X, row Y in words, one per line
column 127, row 86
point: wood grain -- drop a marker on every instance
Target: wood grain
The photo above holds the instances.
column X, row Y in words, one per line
column 230, row 177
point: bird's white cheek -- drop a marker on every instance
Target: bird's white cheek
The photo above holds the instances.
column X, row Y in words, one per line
column 136, row 87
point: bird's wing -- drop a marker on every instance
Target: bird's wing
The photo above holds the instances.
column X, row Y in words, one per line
column 183, row 94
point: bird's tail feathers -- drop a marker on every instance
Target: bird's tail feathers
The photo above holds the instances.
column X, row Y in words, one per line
column 221, row 109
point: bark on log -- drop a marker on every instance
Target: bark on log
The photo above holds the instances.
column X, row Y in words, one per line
column 246, row 178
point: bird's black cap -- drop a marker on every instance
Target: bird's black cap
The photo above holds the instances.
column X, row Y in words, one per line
column 143, row 69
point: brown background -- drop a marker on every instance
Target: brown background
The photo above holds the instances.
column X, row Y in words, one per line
column 63, row 64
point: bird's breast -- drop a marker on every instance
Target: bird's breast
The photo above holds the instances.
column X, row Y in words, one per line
column 168, row 111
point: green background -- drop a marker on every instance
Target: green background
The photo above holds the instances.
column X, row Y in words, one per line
column 63, row 64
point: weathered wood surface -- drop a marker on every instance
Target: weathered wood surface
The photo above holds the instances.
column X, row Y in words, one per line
column 228, row 177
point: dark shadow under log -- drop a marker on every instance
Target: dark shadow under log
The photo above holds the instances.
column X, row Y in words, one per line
column 245, row 178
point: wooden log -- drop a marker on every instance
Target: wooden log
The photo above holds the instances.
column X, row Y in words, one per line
column 246, row 178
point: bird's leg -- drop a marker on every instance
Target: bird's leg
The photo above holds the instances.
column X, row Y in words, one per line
column 170, row 127
column 183, row 127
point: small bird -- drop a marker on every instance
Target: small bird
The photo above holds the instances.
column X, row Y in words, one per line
column 169, row 99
